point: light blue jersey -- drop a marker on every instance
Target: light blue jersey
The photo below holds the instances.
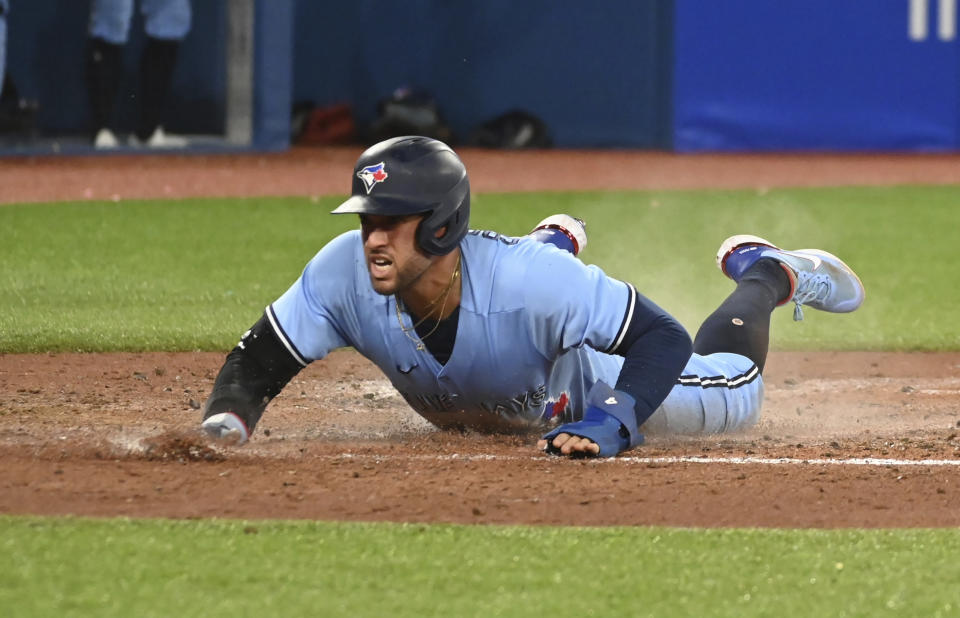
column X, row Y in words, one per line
column 534, row 327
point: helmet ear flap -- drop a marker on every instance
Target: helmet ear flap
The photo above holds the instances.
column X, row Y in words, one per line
column 427, row 239
column 424, row 235
column 454, row 215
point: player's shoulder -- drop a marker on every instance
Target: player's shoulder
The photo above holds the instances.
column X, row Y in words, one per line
column 491, row 252
column 338, row 260
column 342, row 248
column 488, row 240
column 347, row 241
column 499, row 247
column 506, row 267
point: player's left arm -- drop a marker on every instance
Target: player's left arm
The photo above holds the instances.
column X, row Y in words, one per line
column 613, row 317
column 655, row 347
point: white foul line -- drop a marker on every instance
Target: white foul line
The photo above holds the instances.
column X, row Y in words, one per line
column 768, row 461
column 859, row 461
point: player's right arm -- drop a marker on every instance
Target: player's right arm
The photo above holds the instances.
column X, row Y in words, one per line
column 296, row 329
column 255, row 372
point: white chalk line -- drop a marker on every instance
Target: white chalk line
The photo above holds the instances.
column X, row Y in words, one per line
column 765, row 461
column 860, row 461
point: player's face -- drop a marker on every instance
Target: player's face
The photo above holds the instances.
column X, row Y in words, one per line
column 390, row 247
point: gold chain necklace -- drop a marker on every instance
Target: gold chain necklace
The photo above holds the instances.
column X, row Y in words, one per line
column 445, row 294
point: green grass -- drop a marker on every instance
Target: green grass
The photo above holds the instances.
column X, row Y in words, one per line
column 120, row 567
column 149, row 275
column 194, row 274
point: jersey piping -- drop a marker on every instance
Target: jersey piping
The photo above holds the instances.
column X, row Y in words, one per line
column 282, row 336
column 627, row 318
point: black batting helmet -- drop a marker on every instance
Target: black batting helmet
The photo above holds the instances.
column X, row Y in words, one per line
column 414, row 175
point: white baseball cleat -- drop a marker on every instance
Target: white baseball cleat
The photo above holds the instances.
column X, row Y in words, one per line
column 572, row 228
column 818, row 279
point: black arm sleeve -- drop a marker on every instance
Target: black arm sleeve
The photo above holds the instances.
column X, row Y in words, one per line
column 254, row 373
column 655, row 348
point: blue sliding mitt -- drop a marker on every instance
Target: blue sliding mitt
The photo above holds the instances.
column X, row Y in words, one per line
column 609, row 420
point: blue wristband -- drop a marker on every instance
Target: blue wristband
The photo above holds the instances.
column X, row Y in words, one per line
column 609, row 420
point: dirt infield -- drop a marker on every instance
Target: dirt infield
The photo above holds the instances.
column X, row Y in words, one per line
column 115, row 434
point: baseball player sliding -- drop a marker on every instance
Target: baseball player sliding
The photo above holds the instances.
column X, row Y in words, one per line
column 483, row 331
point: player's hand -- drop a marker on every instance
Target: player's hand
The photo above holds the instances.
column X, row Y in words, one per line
column 566, row 444
column 226, row 427
column 608, row 427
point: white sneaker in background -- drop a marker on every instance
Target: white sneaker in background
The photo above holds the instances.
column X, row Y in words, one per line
column 105, row 140
column 160, row 139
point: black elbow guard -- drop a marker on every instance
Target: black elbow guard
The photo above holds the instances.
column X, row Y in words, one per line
column 255, row 372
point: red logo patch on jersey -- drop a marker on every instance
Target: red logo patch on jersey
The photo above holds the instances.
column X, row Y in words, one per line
column 560, row 405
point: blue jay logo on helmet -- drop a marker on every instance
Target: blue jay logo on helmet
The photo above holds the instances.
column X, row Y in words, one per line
column 372, row 175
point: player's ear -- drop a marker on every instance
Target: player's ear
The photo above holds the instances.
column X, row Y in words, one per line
column 440, row 233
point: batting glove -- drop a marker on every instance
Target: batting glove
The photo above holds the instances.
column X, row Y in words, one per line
column 609, row 420
column 226, row 427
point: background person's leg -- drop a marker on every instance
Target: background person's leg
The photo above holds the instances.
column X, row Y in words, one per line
column 3, row 42
column 156, row 74
column 166, row 23
column 108, row 30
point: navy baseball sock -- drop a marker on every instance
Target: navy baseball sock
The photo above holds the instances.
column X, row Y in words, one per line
column 741, row 324
column 103, row 76
column 156, row 74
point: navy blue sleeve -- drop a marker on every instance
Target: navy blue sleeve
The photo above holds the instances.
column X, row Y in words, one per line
column 655, row 348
